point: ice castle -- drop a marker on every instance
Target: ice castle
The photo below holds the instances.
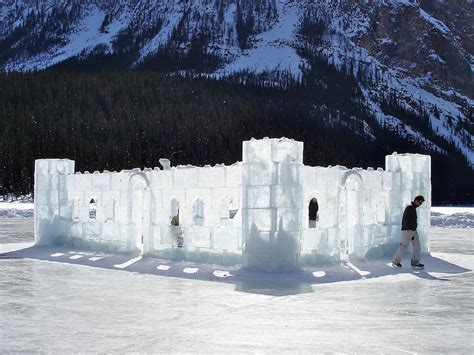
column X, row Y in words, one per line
column 253, row 212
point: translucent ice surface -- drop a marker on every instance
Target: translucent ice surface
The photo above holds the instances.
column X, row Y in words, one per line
column 57, row 306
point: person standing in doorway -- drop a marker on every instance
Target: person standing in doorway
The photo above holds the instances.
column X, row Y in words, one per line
column 176, row 230
column 409, row 225
column 313, row 212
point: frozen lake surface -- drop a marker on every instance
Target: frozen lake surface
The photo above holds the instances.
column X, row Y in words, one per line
column 65, row 301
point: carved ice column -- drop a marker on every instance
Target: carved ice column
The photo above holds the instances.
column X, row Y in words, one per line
column 271, row 212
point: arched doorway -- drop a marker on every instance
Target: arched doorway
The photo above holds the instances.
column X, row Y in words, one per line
column 350, row 215
column 139, row 209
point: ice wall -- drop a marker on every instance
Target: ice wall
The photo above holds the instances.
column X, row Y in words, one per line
column 271, row 223
column 209, row 200
column 360, row 210
column 257, row 209
column 130, row 211
column 321, row 243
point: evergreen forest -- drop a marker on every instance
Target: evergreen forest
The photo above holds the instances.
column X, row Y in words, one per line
column 122, row 119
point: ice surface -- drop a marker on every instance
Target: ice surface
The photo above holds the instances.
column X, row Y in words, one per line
column 421, row 163
column 83, row 182
column 198, row 193
column 225, row 238
column 380, row 211
column 197, row 236
column 65, row 212
column 278, row 150
column 369, row 216
column 67, row 182
column 255, row 151
column 42, row 182
column 198, row 212
column 212, row 177
column 314, row 240
column 323, row 178
column 259, row 218
column 288, row 220
column 184, row 177
column 119, row 181
column 162, row 179
column 308, row 174
column 156, row 199
column 287, row 196
column 260, row 173
column 287, row 151
column 281, row 306
column 288, row 174
column 227, row 196
column 258, row 196
column 101, row 181
column 408, row 163
column 233, row 175
column 372, row 180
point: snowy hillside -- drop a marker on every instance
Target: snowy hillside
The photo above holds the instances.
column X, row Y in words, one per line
column 415, row 53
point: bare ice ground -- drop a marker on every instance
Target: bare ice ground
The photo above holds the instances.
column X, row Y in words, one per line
column 66, row 301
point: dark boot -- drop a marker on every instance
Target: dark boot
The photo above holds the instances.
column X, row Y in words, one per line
column 417, row 264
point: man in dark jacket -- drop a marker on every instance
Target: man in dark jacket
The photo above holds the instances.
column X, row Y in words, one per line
column 409, row 224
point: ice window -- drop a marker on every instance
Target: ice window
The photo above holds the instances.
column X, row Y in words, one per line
column 233, row 209
column 76, row 209
column 174, row 207
column 313, row 215
column 110, row 211
column 227, row 211
column 198, row 212
column 92, row 209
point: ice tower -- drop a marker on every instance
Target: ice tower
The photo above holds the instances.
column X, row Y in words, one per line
column 410, row 175
column 272, row 185
column 50, row 175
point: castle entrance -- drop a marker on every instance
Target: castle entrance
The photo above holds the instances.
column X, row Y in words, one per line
column 139, row 207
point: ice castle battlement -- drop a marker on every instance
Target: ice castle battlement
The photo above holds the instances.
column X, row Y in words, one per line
column 254, row 212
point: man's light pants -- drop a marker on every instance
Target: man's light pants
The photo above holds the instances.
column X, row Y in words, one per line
column 406, row 238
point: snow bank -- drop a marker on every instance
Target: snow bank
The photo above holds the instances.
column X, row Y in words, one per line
column 455, row 220
column 16, row 210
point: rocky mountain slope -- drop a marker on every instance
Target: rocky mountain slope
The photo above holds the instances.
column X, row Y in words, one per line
column 415, row 53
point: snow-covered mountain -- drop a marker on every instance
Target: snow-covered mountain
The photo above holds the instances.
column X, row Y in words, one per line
column 418, row 53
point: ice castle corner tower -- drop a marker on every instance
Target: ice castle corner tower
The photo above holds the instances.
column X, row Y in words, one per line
column 272, row 187
column 49, row 178
column 410, row 175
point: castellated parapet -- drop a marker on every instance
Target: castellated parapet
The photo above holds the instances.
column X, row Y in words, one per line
column 253, row 213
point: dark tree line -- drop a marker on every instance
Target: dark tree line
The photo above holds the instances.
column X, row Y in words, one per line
column 125, row 119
